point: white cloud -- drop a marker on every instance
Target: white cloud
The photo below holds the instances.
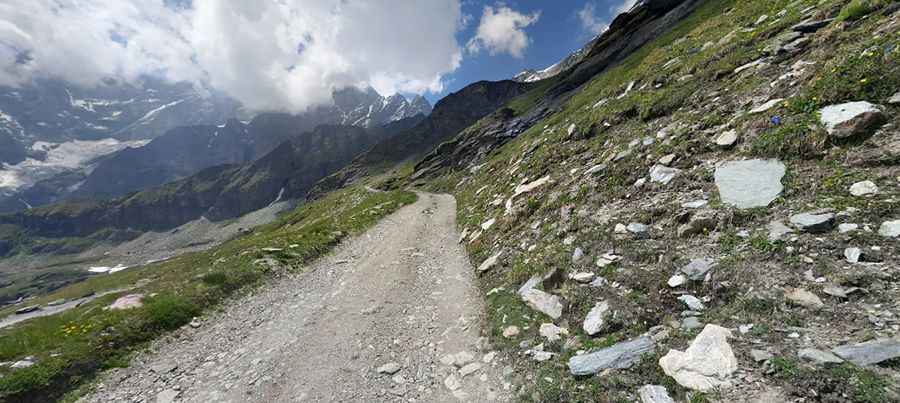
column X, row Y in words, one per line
column 285, row 55
column 502, row 30
column 596, row 24
column 590, row 21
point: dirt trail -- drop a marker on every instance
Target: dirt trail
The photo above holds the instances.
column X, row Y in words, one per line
column 400, row 293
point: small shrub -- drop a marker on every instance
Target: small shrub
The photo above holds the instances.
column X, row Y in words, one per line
column 168, row 312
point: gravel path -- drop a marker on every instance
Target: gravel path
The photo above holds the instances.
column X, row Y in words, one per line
column 400, row 294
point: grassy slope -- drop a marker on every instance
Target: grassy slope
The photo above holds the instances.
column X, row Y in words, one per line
column 73, row 346
column 700, row 97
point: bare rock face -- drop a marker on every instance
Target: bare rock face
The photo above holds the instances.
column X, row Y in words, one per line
column 851, row 119
column 707, row 364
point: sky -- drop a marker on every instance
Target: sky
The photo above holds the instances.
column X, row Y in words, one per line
column 289, row 55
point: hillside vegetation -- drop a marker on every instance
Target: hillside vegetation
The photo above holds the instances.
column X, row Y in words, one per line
column 605, row 222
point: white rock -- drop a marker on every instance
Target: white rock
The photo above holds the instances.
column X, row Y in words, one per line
column 543, row 302
column 511, row 331
column 707, row 363
column 654, row 394
column 462, row 358
column 128, row 302
column 583, row 277
column 489, row 263
column 750, row 183
column 847, row 227
column 777, row 230
column 852, row 254
column 677, row 280
column 452, row 382
column 890, row 229
column 695, row 204
column 577, row 255
column 608, row 259
column 727, row 139
column 895, row 99
column 595, row 320
column 469, row 369
column 766, row 106
column 389, row 368
column 571, row 129
column 488, row 224
column 804, row 298
column 693, row 303
column 552, row 332
column 863, row 188
column 839, row 119
column 663, row 174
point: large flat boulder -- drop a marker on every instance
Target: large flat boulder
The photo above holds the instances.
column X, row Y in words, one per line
column 750, row 183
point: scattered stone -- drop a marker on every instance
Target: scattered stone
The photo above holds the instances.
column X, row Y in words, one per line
column 693, row 303
column 667, row 159
column 847, row 227
column 839, row 292
column 469, row 369
column 695, row 204
column 57, row 302
column 595, row 320
column 750, row 183
column 594, row 169
column 552, row 332
column 870, row 352
column 890, row 229
column 621, row 356
column 524, row 188
column 452, row 382
column 766, row 106
column 609, row 258
column 577, row 255
column 863, row 188
column 691, row 323
column 24, row 363
column 489, row 263
column 851, row 119
column 128, row 302
column 544, row 302
column 707, row 363
column 760, row 355
column 541, row 356
column 488, row 224
column 654, row 394
column 727, row 139
column 761, row 19
column 806, row 299
column 167, row 396
column 677, row 281
column 489, row 357
column 390, row 368
column 663, row 174
column 696, row 270
column 895, row 99
column 852, row 255
column 818, row 356
column 777, row 230
column 583, row 277
column 638, row 229
column 813, row 223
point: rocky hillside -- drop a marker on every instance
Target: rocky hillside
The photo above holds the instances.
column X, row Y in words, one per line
column 452, row 114
column 217, row 193
column 703, row 209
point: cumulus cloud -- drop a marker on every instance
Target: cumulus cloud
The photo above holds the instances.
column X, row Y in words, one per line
column 285, row 55
column 502, row 30
column 594, row 23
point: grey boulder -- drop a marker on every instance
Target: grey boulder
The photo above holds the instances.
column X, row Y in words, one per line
column 620, row 356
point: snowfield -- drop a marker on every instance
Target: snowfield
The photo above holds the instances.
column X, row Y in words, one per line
column 62, row 157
